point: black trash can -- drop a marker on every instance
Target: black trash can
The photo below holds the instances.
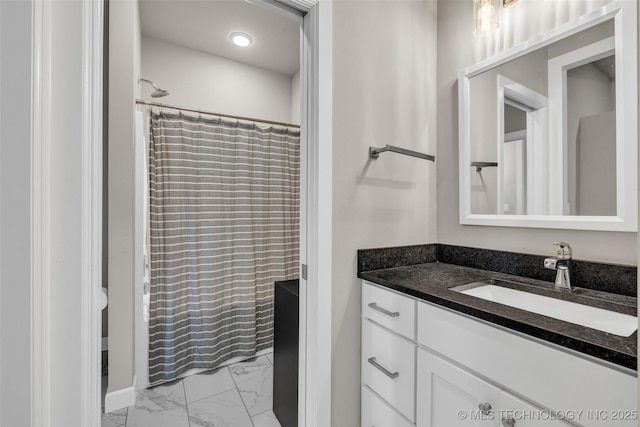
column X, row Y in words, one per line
column 285, row 352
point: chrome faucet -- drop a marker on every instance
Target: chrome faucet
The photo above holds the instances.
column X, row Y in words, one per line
column 561, row 263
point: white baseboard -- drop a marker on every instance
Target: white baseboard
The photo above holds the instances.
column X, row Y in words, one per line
column 122, row 398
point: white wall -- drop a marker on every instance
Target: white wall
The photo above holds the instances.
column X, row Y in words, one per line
column 137, row 49
column 211, row 83
column 457, row 49
column 15, row 235
column 295, row 98
column 384, row 93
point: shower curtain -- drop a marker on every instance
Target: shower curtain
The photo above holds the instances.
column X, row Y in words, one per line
column 224, row 225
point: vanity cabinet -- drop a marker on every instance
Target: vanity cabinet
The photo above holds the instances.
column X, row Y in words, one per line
column 446, row 368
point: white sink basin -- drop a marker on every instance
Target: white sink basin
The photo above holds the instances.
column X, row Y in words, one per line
column 592, row 317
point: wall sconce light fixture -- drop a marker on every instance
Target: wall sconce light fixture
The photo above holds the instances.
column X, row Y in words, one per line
column 486, row 17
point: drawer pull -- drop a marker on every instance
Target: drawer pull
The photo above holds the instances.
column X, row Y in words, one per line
column 383, row 311
column 508, row 422
column 385, row 371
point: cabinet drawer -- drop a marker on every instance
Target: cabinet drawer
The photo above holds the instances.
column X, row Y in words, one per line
column 389, row 309
column 388, row 367
column 376, row 412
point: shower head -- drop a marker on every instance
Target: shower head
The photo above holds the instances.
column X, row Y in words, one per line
column 157, row 93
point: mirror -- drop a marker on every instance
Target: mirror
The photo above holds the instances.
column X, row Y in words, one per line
column 548, row 130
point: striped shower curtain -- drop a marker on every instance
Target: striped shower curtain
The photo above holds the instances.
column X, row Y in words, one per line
column 224, row 217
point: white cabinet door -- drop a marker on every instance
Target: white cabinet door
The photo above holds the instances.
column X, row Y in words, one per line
column 377, row 413
column 388, row 367
column 448, row 396
column 515, row 412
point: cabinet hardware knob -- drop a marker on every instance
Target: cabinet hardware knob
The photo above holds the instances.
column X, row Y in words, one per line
column 508, row 422
column 383, row 311
column 485, row 408
column 392, row 375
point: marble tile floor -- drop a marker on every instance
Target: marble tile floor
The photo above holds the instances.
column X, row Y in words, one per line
column 238, row 395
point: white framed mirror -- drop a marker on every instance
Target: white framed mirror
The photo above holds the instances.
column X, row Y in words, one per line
column 549, row 129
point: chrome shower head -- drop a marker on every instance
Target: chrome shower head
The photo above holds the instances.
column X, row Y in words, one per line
column 157, row 93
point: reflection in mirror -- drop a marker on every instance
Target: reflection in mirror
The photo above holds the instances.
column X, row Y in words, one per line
column 522, row 145
column 591, row 138
column 547, row 130
column 522, row 170
column 581, row 97
column 584, row 118
column 514, row 159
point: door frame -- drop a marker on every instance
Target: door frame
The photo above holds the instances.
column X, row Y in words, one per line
column 50, row 28
column 534, row 105
column 315, row 381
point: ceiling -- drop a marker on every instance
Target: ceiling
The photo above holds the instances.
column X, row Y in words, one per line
column 205, row 25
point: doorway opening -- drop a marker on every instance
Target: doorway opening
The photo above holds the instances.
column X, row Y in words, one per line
column 161, row 58
column 522, row 149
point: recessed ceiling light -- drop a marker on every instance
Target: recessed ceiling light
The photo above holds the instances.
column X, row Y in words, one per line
column 241, row 39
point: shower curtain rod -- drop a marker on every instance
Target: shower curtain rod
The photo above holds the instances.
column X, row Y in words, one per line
column 192, row 110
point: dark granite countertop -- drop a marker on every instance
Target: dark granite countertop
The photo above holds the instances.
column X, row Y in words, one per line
column 431, row 282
